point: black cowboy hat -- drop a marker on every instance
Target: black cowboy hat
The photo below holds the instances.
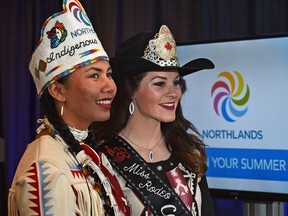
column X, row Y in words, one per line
column 150, row 51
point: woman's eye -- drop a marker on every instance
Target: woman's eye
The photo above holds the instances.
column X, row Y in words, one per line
column 177, row 82
column 95, row 76
column 161, row 84
column 109, row 74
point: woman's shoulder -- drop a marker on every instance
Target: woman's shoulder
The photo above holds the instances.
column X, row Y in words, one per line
column 42, row 141
column 45, row 146
column 43, row 150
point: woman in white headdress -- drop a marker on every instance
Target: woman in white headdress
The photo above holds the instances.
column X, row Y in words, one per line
column 61, row 171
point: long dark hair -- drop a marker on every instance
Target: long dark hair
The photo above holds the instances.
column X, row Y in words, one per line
column 181, row 136
column 49, row 110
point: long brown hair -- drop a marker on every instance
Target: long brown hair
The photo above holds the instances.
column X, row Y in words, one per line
column 181, row 136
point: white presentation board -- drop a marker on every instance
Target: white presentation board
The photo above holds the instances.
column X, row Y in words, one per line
column 241, row 110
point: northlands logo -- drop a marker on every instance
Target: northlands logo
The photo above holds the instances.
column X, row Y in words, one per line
column 230, row 95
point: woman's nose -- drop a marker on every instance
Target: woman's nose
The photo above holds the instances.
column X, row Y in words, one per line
column 173, row 91
column 109, row 85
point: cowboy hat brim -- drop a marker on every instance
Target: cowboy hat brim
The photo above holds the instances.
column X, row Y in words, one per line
column 125, row 66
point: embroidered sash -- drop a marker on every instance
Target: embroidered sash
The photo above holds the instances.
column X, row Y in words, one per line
column 161, row 199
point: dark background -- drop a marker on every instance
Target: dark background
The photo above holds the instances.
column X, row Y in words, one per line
column 190, row 21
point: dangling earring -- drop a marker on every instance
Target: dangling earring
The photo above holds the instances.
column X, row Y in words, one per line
column 62, row 110
column 131, row 108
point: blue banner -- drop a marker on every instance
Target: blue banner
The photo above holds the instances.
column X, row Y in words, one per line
column 248, row 164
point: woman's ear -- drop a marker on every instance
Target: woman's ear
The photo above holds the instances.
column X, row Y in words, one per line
column 56, row 90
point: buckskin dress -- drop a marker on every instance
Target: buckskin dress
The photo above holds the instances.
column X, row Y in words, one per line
column 49, row 181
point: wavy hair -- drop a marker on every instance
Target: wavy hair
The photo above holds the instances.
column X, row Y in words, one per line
column 181, row 136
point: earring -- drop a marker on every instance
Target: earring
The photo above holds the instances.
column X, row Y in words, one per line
column 62, row 110
column 131, row 108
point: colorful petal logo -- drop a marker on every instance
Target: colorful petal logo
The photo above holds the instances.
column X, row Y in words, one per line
column 230, row 96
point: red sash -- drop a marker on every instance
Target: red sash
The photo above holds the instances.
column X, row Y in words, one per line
column 116, row 189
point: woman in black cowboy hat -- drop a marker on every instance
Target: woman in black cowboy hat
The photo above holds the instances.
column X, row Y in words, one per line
column 160, row 159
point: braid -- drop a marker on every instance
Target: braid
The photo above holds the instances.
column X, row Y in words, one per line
column 91, row 140
column 49, row 110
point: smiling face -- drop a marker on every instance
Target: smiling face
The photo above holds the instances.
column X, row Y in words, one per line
column 88, row 95
column 158, row 96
